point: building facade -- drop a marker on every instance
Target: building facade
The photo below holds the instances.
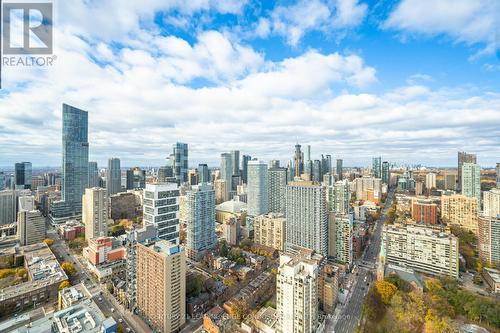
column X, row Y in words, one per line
column 277, row 188
column 114, row 176
column 136, row 178
column 424, row 211
column 180, row 162
column 95, row 212
column 257, row 190
column 161, row 275
column 471, row 181
column 23, row 175
column 464, row 157
column 426, row 249
column 161, row 208
column 461, row 211
column 489, row 239
column 491, row 202
column 306, row 216
column 270, row 230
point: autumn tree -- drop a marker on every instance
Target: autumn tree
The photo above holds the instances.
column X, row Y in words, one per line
column 48, row 241
column 68, row 268
column 64, row 284
column 386, row 290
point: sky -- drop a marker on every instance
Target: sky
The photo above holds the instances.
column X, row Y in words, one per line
column 413, row 81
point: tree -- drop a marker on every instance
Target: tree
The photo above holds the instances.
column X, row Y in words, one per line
column 386, row 290
column 64, row 284
column 68, row 268
column 48, row 241
column 194, row 285
column 246, row 243
column 373, row 307
column 223, row 249
column 119, row 328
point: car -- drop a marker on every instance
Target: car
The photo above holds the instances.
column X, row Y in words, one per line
column 127, row 329
column 120, row 320
column 100, row 299
column 112, row 309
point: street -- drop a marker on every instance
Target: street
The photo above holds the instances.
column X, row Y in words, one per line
column 350, row 314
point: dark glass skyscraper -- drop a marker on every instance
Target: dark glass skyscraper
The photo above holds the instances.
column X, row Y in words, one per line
column 180, row 162
column 93, row 175
column 114, row 176
column 204, row 173
column 75, row 164
column 340, row 169
column 244, row 167
column 23, row 175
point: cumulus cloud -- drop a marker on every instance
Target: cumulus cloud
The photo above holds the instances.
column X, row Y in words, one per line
column 294, row 21
column 464, row 21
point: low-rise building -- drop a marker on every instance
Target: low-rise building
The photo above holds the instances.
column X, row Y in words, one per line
column 106, row 258
column 492, row 278
column 71, row 230
column 216, row 320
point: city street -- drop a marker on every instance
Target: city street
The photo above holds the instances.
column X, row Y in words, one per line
column 350, row 313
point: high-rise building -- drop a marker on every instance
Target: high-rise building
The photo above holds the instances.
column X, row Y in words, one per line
column 114, row 176
column 340, row 169
column 226, row 172
column 368, row 185
column 220, row 191
column 93, row 177
column 498, row 175
column 161, row 208
column 235, row 162
column 298, row 161
column 316, row 171
column 244, row 168
column 430, row 180
column 343, row 231
column 200, row 216
column 339, row 196
column 471, row 181
column 461, row 211
column 277, row 188
column 450, row 181
column 269, row 230
column 306, row 216
column 257, row 191
column 204, row 173
column 386, row 173
column 23, row 175
column 180, row 162
column 377, row 167
column 426, row 249
column 464, row 157
column 30, row 222
column 273, row 164
column 95, row 212
column 165, row 173
column 136, row 178
column 297, row 294
column 75, row 164
column 2, row 181
column 327, row 167
column 424, row 211
column 491, row 202
column 489, row 239
column 7, row 207
column 161, row 275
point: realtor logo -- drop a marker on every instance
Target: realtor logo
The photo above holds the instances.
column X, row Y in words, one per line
column 27, row 28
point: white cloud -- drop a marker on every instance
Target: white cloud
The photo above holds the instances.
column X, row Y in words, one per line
column 294, row 21
column 470, row 22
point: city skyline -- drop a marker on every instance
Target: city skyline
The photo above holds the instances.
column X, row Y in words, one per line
column 389, row 80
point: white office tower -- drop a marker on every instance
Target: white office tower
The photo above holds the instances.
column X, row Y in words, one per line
column 95, row 212
column 257, row 196
column 471, row 181
column 277, row 190
column 30, row 222
column 200, row 219
column 430, row 181
column 161, row 208
column 226, row 173
column 297, row 294
column 343, row 238
column 426, row 249
column 339, row 196
column 491, row 202
column 306, row 216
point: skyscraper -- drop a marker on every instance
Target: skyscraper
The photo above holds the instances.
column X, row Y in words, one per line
column 235, row 162
column 461, row 211
column 498, row 175
column 343, row 238
column 277, row 189
column 377, row 167
column 297, row 304
column 491, row 202
column 244, row 167
column 471, row 181
column 464, row 157
column 430, row 180
column 386, row 173
column 200, row 216
column 316, row 171
column 93, row 175
column 23, row 175
column 7, row 207
column 161, row 208
column 2, row 181
column 204, row 173
column 95, row 212
column 30, row 227
column 306, row 216
column 339, row 169
column 226, row 172
column 75, row 164
column 298, row 161
column 339, row 196
column 180, row 162
column 114, row 176
column 257, row 190
column 136, row 178
column 161, row 277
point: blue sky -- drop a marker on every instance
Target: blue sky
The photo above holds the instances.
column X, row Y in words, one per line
column 414, row 81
